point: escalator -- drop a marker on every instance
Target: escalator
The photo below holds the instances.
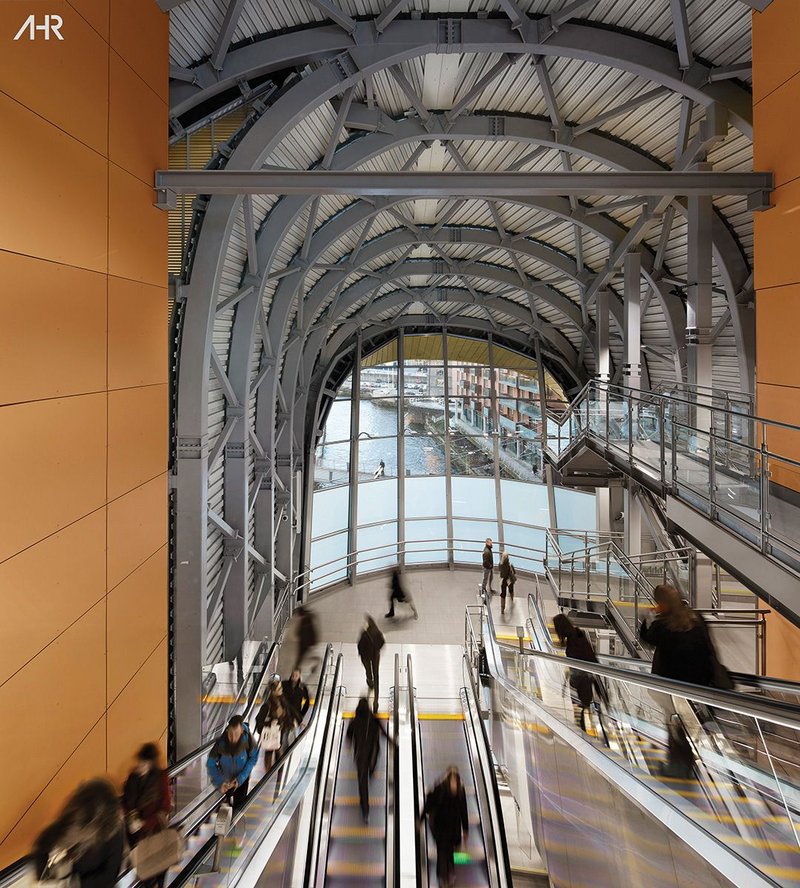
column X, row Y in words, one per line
column 350, row 850
column 733, row 821
column 457, row 737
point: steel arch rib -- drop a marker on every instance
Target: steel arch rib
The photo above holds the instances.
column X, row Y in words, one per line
column 405, row 39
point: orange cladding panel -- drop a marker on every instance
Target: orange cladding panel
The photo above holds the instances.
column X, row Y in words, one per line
column 775, row 57
column 137, row 437
column 775, row 147
column 59, row 696
column 53, row 332
column 777, row 232
column 776, row 340
column 141, row 150
column 782, row 403
column 783, row 642
column 49, row 586
column 137, row 620
column 139, row 714
column 68, row 221
column 137, row 333
column 140, row 34
column 88, row 760
column 96, row 12
column 63, row 81
column 137, row 234
column 137, row 527
column 52, row 467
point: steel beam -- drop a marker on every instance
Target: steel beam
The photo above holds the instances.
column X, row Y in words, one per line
column 276, row 181
column 226, row 32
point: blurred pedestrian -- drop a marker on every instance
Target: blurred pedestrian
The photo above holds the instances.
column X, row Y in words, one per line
column 578, row 647
column 488, row 567
column 86, row 842
column 683, row 652
column 296, row 693
column 446, row 809
column 364, row 733
column 231, row 761
column 508, row 578
column 397, row 592
column 307, row 635
column 370, row 643
column 147, row 802
column 275, row 719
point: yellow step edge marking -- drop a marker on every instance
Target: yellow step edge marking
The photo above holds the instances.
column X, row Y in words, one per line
column 357, row 832
column 348, row 801
column 767, row 844
column 383, row 716
column 502, row 636
column 782, row 872
column 351, row 868
column 441, row 716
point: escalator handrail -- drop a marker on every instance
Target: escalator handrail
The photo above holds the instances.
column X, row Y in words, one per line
column 393, row 751
column 785, row 714
column 497, row 824
column 765, row 682
column 315, row 829
column 420, row 832
column 623, row 775
column 189, row 870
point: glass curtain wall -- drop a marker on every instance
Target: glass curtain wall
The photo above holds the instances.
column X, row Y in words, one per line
column 432, row 445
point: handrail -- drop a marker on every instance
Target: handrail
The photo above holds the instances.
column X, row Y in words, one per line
column 420, row 832
column 188, row 871
column 315, row 827
column 495, row 813
column 394, row 881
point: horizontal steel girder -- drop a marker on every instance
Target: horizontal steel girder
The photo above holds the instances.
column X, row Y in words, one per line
column 460, row 184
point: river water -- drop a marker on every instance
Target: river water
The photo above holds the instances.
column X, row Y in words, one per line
column 378, row 420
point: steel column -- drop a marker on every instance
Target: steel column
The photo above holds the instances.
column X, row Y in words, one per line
column 355, row 428
column 401, row 448
column 631, row 367
column 699, row 300
column 603, row 352
column 448, row 462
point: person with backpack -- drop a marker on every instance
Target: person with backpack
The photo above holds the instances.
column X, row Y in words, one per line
column 508, row 577
column 231, row 761
column 578, row 647
column 370, row 643
column 398, row 593
column 147, row 802
column 364, row 733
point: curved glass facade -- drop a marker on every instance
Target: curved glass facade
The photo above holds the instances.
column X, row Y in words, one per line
column 432, row 445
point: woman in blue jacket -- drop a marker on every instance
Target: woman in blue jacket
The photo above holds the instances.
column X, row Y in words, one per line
column 231, row 761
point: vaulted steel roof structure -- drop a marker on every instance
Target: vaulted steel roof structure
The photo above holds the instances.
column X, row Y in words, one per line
column 274, row 291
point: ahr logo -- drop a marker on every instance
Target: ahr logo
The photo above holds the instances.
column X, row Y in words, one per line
column 51, row 25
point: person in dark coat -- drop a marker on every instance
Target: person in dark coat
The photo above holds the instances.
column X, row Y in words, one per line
column 683, row 652
column 297, row 697
column 87, row 841
column 364, row 733
column 276, row 709
column 307, row 635
column 398, row 593
column 370, row 643
column 487, row 560
column 508, row 578
column 147, row 802
column 578, row 647
column 446, row 809
column 231, row 761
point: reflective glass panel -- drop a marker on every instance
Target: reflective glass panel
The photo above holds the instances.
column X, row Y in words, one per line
column 377, row 501
column 331, row 511
column 426, row 497
column 426, row 541
column 377, row 547
column 474, row 498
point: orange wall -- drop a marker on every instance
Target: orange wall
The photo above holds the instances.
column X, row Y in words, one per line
column 776, row 100
column 83, row 400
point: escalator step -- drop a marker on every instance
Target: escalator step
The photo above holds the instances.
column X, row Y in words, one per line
column 345, row 833
column 352, row 869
